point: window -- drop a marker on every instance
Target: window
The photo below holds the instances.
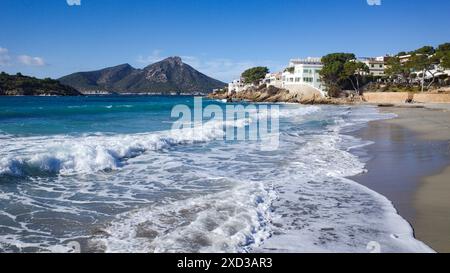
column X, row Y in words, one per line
column 297, row 79
column 308, row 79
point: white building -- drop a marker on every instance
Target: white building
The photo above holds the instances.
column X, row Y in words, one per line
column 376, row 65
column 274, row 79
column 238, row 86
column 302, row 76
column 235, row 86
column 436, row 71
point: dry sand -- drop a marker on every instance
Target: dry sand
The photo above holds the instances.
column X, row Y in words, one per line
column 410, row 164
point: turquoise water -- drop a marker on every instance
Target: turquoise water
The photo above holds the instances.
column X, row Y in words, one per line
column 107, row 174
column 91, row 114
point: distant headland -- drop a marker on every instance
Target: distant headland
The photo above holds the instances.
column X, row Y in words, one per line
column 20, row 85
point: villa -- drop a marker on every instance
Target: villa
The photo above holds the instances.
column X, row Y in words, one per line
column 237, row 86
column 274, row 79
column 376, row 65
column 302, row 76
column 405, row 58
column 436, row 72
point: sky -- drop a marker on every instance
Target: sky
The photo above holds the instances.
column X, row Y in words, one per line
column 221, row 38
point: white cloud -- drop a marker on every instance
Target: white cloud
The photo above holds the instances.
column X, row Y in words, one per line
column 4, row 57
column 374, row 2
column 219, row 68
column 227, row 69
column 153, row 58
column 31, row 61
column 73, row 2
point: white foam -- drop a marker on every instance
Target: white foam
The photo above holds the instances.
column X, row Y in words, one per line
column 68, row 155
column 229, row 221
column 305, row 205
column 323, row 211
column 88, row 154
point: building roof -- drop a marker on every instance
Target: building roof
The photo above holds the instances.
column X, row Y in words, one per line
column 309, row 60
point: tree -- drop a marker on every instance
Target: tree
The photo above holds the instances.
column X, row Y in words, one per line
column 419, row 62
column 354, row 70
column 445, row 62
column 394, row 68
column 333, row 71
column 290, row 69
column 441, row 52
column 444, row 47
column 255, row 74
column 423, row 63
column 426, row 50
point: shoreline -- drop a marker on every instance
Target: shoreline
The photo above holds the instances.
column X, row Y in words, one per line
column 409, row 163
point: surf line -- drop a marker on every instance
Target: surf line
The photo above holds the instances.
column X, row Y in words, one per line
column 238, row 122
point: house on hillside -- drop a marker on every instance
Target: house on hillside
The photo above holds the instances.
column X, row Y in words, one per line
column 376, row 65
column 237, row 86
column 302, row 76
column 274, row 79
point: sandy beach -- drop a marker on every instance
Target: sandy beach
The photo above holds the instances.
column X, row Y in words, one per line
column 409, row 163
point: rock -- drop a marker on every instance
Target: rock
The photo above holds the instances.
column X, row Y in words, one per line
column 272, row 94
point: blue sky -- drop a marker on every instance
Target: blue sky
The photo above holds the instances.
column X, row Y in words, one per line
column 49, row 38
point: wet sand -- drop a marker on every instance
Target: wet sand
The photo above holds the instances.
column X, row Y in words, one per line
column 409, row 163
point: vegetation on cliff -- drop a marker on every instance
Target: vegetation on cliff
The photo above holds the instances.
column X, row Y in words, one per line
column 423, row 67
column 255, row 74
column 19, row 85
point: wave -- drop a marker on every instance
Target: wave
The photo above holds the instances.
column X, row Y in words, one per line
column 65, row 155
column 231, row 221
column 71, row 155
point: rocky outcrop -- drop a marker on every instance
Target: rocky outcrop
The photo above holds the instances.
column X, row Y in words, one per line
column 276, row 95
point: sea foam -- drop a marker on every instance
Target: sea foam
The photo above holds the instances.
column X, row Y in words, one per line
column 67, row 155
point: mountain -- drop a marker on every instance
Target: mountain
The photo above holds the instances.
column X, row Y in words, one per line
column 15, row 85
column 167, row 76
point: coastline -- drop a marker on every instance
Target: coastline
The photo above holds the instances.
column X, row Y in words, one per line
column 409, row 163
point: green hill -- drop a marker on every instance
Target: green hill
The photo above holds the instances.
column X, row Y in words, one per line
column 19, row 85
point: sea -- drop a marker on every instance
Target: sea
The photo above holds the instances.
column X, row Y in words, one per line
column 108, row 174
